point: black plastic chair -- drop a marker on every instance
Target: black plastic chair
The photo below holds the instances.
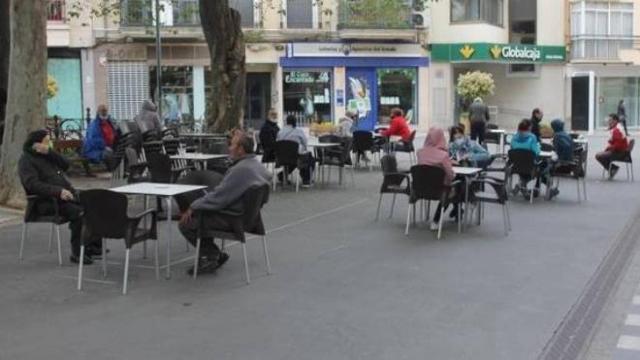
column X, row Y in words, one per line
column 427, row 184
column 574, row 169
column 105, row 216
column 339, row 156
column 151, row 147
column 393, row 182
column 134, row 169
column 363, row 142
column 499, row 196
column 247, row 221
column 407, row 147
column 522, row 163
column 626, row 160
column 161, row 170
column 287, row 158
column 31, row 215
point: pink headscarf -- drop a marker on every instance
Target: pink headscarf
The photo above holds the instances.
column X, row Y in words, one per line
column 434, row 153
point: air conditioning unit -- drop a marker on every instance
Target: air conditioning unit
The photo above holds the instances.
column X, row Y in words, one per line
column 421, row 14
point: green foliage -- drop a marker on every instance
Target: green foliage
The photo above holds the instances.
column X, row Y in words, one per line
column 475, row 84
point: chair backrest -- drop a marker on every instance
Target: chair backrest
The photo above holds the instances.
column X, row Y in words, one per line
column 287, row 153
column 253, row 200
column 362, row 140
column 632, row 144
column 131, row 156
column 171, row 146
column 522, row 161
column 209, row 179
column 389, row 164
column 151, row 147
column 105, row 213
column 160, row 167
column 427, row 182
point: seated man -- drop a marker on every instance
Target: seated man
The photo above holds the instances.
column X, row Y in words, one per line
column 41, row 173
column 268, row 135
column 617, row 148
column 306, row 163
column 245, row 172
column 101, row 137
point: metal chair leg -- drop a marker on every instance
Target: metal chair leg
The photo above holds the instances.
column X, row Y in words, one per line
column 197, row 259
column 266, row 254
column 22, row 240
column 51, row 237
column 126, row 272
column 246, row 263
column 60, row 246
column 379, row 204
column 440, row 222
column 406, row 230
column 393, row 205
column 80, row 267
column 504, row 220
column 157, row 257
column 584, row 188
column 104, row 259
column 144, row 244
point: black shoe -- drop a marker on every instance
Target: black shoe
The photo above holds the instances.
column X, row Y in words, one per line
column 76, row 259
column 553, row 193
column 222, row 259
column 95, row 253
column 208, row 265
column 613, row 172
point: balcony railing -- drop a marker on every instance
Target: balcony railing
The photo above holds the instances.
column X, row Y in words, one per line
column 374, row 14
column 56, row 11
column 172, row 13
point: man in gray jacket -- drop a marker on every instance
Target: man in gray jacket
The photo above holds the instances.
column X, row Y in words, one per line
column 478, row 117
column 245, row 173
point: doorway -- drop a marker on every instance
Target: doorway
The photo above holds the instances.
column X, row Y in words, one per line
column 258, row 99
column 580, row 103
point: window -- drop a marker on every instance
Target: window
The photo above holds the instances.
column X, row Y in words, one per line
column 56, row 11
column 246, row 9
column 307, row 95
column 600, row 29
column 135, row 13
column 397, row 88
column 489, row 11
column 613, row 89
column 177, row 93
column 300, row 14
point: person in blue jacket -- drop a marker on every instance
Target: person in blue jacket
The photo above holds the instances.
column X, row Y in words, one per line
column 524, row 139
column 562, row 141
column 464, row 150
column 100, row 139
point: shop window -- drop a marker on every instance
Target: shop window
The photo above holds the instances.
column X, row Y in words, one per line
column 611, row 91
column 600, row 29
column 397, row 88
column 307, row 95
column 489, row 11
column 523, row 70
column 177, row 93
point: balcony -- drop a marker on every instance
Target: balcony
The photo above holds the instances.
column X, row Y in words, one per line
column 599, row 47
column 374, row 14
column 56, row 11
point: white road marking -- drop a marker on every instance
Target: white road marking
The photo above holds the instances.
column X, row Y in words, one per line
column 636, row 300
column 632, row 320
column 627, row 342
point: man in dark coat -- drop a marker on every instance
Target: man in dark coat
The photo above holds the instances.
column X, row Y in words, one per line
column 268, row 135
column 41, row 172
column 478, row 116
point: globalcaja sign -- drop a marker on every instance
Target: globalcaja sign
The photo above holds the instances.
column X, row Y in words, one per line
column 501, row 53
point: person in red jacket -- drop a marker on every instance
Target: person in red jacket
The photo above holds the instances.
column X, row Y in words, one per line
column 618, row 146
column 398, row 126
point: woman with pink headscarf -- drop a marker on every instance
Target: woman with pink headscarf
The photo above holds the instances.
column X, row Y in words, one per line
column 435, row 153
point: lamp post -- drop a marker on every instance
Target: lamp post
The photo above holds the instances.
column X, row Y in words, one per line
column 158, row 60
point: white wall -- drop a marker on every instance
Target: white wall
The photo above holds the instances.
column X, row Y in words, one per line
column 551, row 22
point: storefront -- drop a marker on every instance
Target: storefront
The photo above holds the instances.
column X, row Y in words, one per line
column 525, row 76
column 321, row 81
column 596, row 91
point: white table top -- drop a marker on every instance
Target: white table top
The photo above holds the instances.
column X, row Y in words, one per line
column 580, row 141
column 498, row 131
column 198, row 156
column 202, row 135
column 319, row 144
column 156, row 189
column 546, row 154
column 466, row 171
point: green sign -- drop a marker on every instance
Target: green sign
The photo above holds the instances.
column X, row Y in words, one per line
column 499, row 53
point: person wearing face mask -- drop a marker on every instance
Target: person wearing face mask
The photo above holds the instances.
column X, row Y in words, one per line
column 41, row 172
column 268, row 134
column 467, row 151
column 101, row 137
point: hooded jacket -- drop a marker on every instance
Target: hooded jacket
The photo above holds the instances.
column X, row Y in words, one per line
column 434, row 153
column 562, row 142
column 477, row 154
column 43, row 174
column 148, row 119
column 525, row 141
column 94, row 144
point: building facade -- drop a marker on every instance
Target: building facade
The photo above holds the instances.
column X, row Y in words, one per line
column 520, row 42
column 604, row 62
column 311, row 59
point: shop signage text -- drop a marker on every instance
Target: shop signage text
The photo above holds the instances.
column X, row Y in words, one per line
column 304, row 77
column 506, row 53
column 354, row 50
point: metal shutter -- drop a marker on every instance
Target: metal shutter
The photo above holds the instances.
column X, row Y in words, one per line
column 128, row 87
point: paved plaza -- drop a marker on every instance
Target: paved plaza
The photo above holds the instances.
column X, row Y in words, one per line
column 343, row 287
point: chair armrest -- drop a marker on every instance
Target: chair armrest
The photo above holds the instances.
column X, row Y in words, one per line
column 134, row 220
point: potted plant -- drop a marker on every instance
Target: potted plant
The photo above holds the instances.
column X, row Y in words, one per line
column 471, row 85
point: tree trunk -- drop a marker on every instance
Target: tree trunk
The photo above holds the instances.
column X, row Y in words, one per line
column 26, row 102
column 223, row 32
column 5, row 35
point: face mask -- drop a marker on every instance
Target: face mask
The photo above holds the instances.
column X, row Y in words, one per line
column 459, row 141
